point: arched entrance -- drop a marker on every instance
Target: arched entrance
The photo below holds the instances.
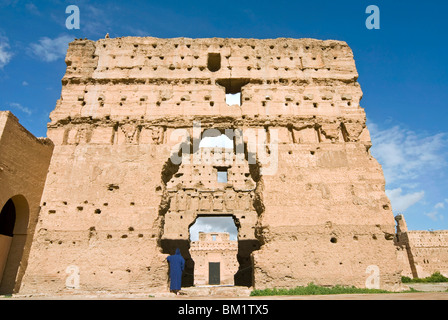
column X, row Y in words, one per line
column 213, row 174
column 233, row 250
column 14, row 217
column 213, row 246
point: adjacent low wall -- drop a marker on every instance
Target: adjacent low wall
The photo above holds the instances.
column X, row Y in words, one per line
column 421, row 253
column 24, row 161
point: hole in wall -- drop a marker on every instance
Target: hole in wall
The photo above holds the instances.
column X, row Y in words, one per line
column 233, row 90
column 222, row 174
column 233, row 99
column 214, row 62
column 226, row 223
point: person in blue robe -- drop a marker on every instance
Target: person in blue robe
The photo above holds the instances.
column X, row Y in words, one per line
column 177, row 266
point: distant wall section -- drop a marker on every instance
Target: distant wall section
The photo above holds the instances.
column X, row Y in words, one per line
column 421, row 253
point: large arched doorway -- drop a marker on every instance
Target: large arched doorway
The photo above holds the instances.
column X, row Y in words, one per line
column 218, row 175
column 213, row 241
column 233, row 251
column 14, row 218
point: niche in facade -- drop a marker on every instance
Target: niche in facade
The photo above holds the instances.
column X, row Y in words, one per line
column 214, row 62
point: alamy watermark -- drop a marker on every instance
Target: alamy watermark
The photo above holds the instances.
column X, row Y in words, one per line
column 259, row 146
column 373, row 20
column 373, row 278
column 72, row 281
column 73, row 21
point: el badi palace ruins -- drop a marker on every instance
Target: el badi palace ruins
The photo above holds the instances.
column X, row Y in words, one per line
column 121, row 176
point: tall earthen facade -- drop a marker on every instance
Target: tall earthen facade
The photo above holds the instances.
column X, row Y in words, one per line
column 303, row 189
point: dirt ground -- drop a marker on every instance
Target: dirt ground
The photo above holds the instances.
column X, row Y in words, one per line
column 434, row 291
column 388, row 296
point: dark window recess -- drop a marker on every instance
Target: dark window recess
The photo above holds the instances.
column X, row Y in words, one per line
column 8, row 219
column 233, row 89
column 214, row 62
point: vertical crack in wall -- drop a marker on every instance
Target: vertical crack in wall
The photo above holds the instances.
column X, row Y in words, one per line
column 168, row 246
column 245, row 273
column 255, row 173
column 169, row 169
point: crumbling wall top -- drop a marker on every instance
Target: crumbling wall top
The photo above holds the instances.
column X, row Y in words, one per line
column 148, row 57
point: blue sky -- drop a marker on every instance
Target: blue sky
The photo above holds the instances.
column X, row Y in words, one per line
column 402, row 67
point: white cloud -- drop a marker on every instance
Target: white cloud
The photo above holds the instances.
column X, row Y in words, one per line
column 95, row 21
column 439, row 205
column 233, row 99
column 405, row 155
column 31, row 7
column 51, row 49
column 409, row 160
column 18, row 106
column 401, row 202
column 213, row 224
column 5, row 54
column 434, row 215
column 221, row 141
column 138, row 32
column 24, row 83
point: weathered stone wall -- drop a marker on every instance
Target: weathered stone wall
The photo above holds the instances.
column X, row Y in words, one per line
column 113, row 205
column 24, row 161
column 421, row 252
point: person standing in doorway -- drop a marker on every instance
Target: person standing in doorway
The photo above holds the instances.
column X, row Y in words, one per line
column 177, row 266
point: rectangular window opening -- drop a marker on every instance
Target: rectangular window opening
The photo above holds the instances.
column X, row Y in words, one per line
column 233, row 89
column 222, row 175
column 233, row 99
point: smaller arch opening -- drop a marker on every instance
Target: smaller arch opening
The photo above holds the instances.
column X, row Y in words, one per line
column 214, row 250
column 14, row 219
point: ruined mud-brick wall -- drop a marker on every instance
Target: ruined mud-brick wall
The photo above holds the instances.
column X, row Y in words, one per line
column 421, row 253
column 24, row 161
column 214, row 247
column 110, row 206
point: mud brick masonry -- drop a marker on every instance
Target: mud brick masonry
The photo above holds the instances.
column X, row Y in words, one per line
column 102, row 192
